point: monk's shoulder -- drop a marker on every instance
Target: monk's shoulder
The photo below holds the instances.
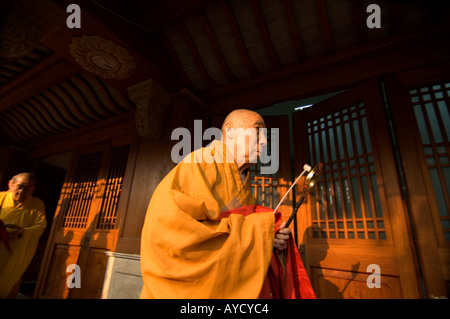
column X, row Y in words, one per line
column 37, row 204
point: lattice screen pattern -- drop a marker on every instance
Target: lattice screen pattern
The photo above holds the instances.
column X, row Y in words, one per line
column 77, row 202
column 346, row 202
column 79, row 195
column 108, row 211
column 264, row 187
column 430, row 105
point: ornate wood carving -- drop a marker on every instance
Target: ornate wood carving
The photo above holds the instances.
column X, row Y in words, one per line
column 150, row 99
column 25, row 24
column 102, row 57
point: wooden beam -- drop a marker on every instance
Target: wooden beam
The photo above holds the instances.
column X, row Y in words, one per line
column 359, row 22
column 326, row 74
column 293, row 29
column 195, row 54
column 325, row 27
column 16, row 132
column 171, row 50
column 215, row 46
column 265, row 35
column 396, row 17
column 97, row 132
column 238, row 38
column 156, row 17
column 51, row 71
column 37, row 68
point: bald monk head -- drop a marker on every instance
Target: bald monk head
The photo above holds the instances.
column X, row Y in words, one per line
column 241, row 133
column 22, row 186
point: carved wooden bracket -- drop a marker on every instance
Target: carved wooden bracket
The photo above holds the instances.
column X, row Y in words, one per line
column 150, row 99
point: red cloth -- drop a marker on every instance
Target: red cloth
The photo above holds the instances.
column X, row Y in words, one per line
column 282, row 282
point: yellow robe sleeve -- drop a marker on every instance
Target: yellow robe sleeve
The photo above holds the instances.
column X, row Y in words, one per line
column 188, row 251
column 31, row 216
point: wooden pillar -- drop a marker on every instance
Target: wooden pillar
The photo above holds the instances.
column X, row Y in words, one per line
column 158, row 114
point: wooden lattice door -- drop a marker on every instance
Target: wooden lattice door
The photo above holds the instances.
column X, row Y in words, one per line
column 420, row 101
column 354, row 228
column 86, row 221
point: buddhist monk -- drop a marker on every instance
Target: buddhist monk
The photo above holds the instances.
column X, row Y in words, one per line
column 203, row 235
column 23, row 217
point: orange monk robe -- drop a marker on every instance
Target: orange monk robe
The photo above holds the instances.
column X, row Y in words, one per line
column 188, row 250
column 31, row 216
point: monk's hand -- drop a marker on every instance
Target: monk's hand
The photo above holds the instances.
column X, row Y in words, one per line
column 281, row 238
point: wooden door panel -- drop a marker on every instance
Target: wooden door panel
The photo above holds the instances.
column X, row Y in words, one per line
column 335, row 284
column 86, row 220
column 348, row 256
column 350, row 280
column 63, row 256
column 73, row 236
column 355, row 216
column 92, row 275
column 419, row 101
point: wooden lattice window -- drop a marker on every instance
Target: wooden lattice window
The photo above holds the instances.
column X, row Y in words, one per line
column 346, row 203
column 76, row 203
column 430, row 103
column 108, row 211
column 89, row 185
column 264, row 187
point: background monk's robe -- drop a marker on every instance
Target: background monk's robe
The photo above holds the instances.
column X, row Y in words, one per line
column 31, row 216
column 187, row 249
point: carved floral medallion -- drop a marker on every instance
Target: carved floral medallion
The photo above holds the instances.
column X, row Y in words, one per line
column 102, row 57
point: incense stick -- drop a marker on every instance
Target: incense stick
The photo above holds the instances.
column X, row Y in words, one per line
column 306, row 168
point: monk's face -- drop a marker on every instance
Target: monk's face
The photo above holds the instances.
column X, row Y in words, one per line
column 21, row 188
column 249, row 138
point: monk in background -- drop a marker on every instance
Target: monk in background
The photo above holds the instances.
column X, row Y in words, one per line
column 23, row 217
column 203, row 235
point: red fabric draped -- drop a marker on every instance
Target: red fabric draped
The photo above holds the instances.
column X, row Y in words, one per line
column 289, row 281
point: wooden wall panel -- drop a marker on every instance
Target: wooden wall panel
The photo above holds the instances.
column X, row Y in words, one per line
column 335, row 284
column 351, row 239
column 63, row 255
column 92, row 274
column 413, row 97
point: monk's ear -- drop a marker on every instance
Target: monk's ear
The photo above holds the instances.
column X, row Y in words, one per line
column 10, row 184
column 228, row 125
column 229, row 129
